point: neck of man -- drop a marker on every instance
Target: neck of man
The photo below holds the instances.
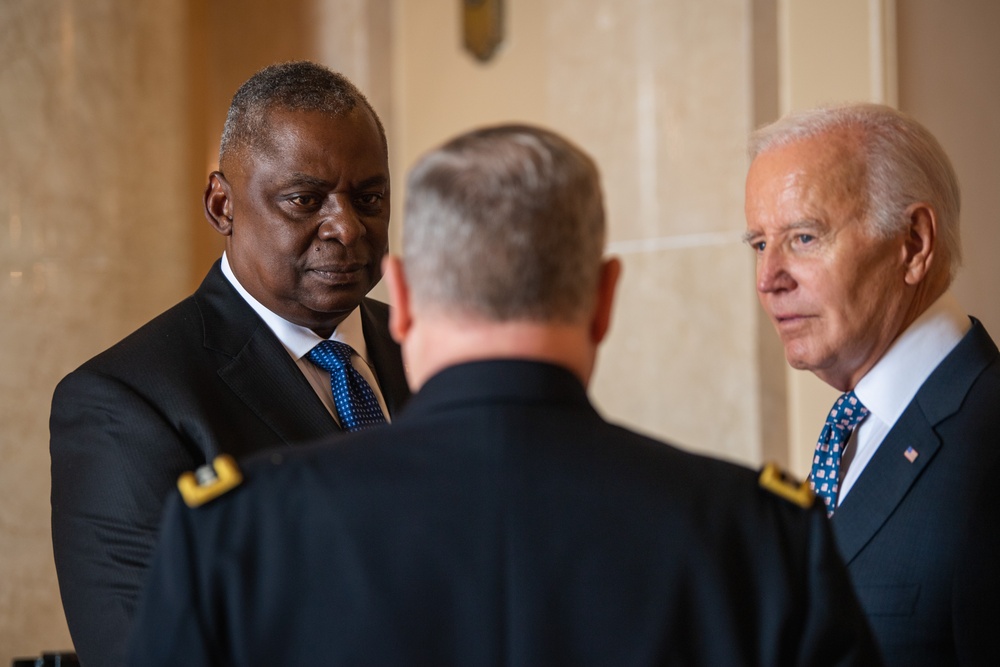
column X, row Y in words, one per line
column 437, row 342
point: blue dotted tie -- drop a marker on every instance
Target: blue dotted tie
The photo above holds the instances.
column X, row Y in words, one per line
column 844, row 417
column 356, row 402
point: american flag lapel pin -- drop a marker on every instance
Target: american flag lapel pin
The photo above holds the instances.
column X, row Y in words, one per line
column 911, row 454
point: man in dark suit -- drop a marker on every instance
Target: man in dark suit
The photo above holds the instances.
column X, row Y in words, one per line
column 302, row 197
column 853, row 212
column 499, row 519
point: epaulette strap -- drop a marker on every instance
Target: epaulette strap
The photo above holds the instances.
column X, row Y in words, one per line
column 209, row 481
column 775, row 480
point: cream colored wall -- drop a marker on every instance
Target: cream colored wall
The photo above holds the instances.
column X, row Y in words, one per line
column 91, row 93
column 660, row 94
column 954, row 89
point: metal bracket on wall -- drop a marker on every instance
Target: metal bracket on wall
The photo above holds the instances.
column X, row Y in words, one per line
column 482, row 27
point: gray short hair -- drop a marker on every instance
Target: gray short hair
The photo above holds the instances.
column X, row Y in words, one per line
column 505, row 223
column 298, row 85
column 905, row 164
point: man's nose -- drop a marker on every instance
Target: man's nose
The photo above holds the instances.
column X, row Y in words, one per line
column 773, row 272
column 340, row 222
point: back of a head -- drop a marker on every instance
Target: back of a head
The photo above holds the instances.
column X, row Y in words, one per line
column 504, row 223
column 905, row 164
column 300, row 86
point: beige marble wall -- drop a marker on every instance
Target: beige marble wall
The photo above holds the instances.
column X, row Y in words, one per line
column 92, row 240
column 660, row 94
column 945, row 88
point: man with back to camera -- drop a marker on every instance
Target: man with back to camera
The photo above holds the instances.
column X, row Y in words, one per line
column 302, row 197
column 499, row 519
column 853, row 212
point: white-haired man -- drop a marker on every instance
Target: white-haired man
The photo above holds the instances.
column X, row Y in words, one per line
column 853, row 213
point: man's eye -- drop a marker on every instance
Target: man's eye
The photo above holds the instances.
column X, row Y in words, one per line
column 805, row 238
column 370, row 200
column 304, row 200
column 758, row 245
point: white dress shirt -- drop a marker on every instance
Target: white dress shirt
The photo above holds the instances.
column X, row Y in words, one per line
column 892, row 383
column 299, row 340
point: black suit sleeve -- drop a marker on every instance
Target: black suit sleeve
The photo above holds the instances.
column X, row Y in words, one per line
column 114, row 460
column 835, row 629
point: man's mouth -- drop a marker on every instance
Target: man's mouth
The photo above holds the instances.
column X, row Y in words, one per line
column 789, row 319
column 338, row 273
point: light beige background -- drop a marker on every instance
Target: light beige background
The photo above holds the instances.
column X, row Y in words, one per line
column 110, row 113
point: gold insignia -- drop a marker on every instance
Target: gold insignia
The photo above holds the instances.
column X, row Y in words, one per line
column 778, row 482
column 209, row 481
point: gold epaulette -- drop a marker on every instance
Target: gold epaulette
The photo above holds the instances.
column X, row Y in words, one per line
column 209, row 481
column 778, row 482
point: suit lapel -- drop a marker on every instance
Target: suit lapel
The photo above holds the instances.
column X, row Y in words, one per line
column 890, row 474
column 259, row 370
column 885, row 481
column 264, row 376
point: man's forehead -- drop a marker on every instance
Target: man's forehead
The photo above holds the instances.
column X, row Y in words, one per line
column 283, row 127
column 828, row 164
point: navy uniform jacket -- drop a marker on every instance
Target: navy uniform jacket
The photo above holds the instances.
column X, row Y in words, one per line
column 498, row 521
column 206, row 377
column 910, row 532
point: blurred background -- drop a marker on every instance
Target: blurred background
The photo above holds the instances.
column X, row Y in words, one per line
column 110, row 115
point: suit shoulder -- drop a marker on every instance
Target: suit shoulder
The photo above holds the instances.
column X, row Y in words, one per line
column 164, row 330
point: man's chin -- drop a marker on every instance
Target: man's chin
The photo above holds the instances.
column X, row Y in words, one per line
column 797, row 360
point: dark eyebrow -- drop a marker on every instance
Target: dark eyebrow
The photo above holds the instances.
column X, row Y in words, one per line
column 299, row 179
column 379, row 181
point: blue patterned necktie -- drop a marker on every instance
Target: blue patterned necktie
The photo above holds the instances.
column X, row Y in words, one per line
column 824, row 479
column 356, row 403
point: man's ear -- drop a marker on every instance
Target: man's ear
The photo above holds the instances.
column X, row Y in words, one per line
column 219, row 203
column 400, row 315
column 921, row 242
column 611, row 270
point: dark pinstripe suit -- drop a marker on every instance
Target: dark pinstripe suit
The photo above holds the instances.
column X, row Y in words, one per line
column 207, row 376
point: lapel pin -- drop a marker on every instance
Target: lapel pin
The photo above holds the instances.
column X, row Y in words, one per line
column 911, row 454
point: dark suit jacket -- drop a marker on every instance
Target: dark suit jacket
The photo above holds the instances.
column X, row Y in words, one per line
column 205, row 377
column 902, row 527
column 498, row 521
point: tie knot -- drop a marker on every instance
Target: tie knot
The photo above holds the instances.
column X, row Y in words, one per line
column 847, row 412
column 331, row 355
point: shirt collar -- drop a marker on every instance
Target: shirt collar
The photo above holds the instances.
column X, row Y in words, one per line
column 892, row 383
column 298, row 340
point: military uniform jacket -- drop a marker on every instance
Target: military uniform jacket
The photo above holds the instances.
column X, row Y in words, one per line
column 206, row 377
column 498, row 521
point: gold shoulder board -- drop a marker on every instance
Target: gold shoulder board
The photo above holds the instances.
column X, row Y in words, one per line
column 209, row 481
column 775, row 480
